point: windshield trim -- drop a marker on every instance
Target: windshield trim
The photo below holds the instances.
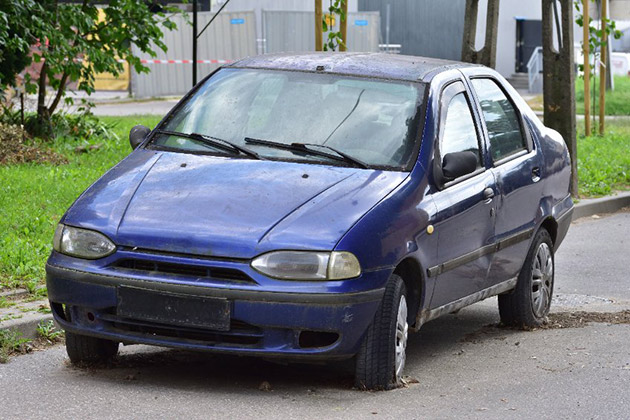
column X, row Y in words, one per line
column 419, row 117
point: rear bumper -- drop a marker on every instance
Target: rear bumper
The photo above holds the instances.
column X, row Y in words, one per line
column 291, row 325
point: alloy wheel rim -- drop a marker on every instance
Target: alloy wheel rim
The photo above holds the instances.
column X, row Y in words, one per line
column 402, row 332
column 542, row 280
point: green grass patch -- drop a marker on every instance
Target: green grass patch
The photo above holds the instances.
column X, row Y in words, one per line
column 35, row 196
column 604, row 162
column 11, row 342
column 617, row 101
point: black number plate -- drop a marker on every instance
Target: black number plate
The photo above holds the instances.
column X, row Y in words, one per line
column 174, row 309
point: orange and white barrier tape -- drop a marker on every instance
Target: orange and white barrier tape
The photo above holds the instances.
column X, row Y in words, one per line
column 185, row 61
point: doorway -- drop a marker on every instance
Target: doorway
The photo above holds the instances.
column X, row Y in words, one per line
column 528, row 37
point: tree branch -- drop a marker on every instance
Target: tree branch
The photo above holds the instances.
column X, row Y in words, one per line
column 60, row 90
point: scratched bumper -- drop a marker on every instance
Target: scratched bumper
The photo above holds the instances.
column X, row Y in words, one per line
column 291, row 325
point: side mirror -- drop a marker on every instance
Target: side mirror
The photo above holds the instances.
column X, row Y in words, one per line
column 459, row 164
column 137, row 135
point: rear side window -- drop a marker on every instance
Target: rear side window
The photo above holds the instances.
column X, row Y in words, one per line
column 459, row 129
column 502, row 120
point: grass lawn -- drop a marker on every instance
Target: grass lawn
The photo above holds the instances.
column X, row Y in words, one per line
column 617, row 101
column 35, row 196
column 604, row 162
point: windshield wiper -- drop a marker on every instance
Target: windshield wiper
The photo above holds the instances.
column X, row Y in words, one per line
column 215, row 142
column 304, row 148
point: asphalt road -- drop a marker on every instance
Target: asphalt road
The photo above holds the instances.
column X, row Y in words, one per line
column 466, row 367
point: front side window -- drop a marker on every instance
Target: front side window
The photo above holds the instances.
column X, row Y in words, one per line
column 502, row 120
column 374, row 121
column 459, row 133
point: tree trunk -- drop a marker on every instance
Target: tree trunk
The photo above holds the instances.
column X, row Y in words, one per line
column 343, row 25
column 559, row 79
column 59, row 95
column 488, row 54
column 319, row 36
column 42, row 126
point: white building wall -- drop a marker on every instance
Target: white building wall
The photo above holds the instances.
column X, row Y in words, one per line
column 506, row 41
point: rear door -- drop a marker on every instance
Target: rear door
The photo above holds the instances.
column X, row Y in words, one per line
column 516, row 167
column 464, row 222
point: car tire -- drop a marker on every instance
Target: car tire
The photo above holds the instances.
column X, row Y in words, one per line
column 381, row 358
column 527, row 306
column 82, row 349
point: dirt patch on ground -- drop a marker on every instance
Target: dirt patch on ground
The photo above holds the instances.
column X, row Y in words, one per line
column 580, row 319
column 558, row 320
column 14, row 148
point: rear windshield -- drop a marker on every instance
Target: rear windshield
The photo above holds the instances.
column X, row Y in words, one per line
column 374, row 121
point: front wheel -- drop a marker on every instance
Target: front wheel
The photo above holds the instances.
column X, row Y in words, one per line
column 82, row 349
column 528, row 305
column 381, row 359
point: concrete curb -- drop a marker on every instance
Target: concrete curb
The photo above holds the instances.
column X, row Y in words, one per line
column 608, row 204
column 27, row 325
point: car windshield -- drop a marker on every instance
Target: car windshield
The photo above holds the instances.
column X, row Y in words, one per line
column 372, row 121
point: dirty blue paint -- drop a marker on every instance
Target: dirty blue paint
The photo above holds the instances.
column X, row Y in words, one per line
column 180, row 210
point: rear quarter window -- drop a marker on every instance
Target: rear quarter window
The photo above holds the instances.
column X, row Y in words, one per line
column 502, row 120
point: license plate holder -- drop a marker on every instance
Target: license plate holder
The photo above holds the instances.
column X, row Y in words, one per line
column 172, row 308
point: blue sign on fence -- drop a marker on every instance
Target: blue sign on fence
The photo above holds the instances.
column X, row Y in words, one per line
column 237, row 21
column 361, row 22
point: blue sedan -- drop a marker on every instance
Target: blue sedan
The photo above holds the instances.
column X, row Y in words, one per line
column 316, row 207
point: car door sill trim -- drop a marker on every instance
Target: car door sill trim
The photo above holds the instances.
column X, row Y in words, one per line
column 428, row 315
column 478, row 253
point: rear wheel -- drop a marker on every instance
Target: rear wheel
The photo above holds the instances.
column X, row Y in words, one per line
column 381, row 359
column 528, row 305
column 89, row 350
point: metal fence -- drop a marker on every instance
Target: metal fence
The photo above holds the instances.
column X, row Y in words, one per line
column 428, row 28
column 230, row 37
column 295, row 31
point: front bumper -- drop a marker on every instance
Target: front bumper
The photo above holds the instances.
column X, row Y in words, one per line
column 269, row 323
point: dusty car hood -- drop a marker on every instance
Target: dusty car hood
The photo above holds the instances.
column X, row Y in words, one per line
column 226, row 207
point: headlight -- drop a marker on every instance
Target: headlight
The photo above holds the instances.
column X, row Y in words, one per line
column 82, row 243
column 307, row 265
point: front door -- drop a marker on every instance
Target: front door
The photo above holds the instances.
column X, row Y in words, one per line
column 528, row 37
column 516, row 167
column 464, row 222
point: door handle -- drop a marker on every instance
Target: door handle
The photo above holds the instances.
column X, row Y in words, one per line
column 488, row 194
column 536, row 174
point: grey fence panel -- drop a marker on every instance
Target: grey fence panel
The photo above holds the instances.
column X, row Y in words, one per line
column 295, row 31
column 288, row 31
column 230, row 37
column 364, row 31
column 423, row 27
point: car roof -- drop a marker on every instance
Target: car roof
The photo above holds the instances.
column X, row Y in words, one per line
column 381, row 65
